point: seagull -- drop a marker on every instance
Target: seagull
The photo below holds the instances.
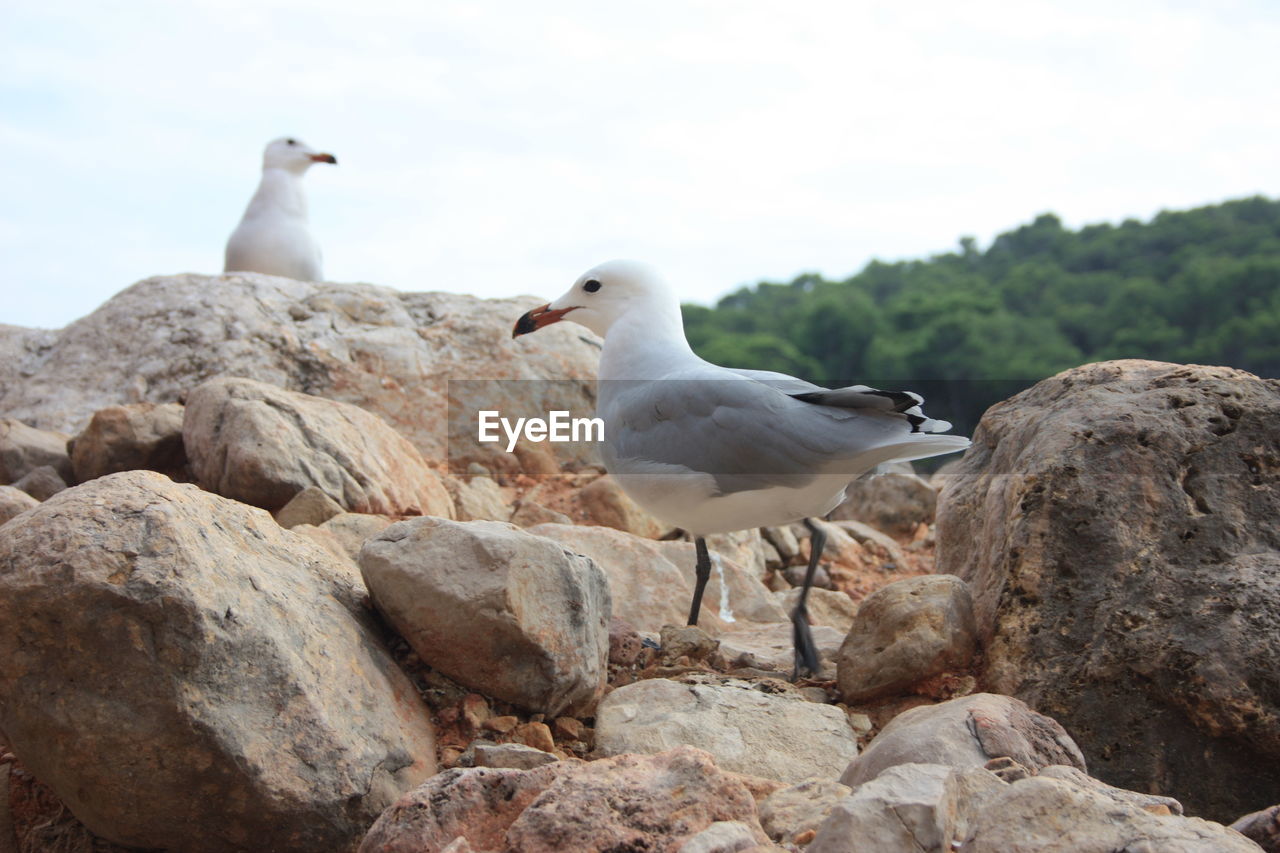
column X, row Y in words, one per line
column 273, row 237
column 712, row 449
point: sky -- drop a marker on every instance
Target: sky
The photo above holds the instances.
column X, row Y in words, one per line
column 502, row 148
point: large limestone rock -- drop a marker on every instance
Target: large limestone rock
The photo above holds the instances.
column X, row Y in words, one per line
column 187, row 675
column 124, row 438
column 388, row 352
column 627, row 803
column 1117, row 524
column 262, row 445
column 747, row 731
column 512, row 615
column 905, row 632
column 966, row 732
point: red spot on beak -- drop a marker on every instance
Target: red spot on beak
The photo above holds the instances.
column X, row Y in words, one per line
column 543, row 315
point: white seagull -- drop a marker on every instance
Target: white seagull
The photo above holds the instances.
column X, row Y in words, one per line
column 273, row 236
column 712, row 449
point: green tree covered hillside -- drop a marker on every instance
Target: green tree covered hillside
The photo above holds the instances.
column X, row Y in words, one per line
column 969, row 327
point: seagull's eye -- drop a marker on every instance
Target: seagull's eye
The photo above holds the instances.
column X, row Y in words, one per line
column 591, row 286
column 291, row 142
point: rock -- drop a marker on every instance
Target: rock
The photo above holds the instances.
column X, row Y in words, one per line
column 1147, row 802
column 309, row 506
column 528, row 513
column 495, row 608
column 478, row 804
column 725, row 836
column 966, row 732
column 895, row 503
column 880, row 544
column 907, row 807
column 353, row 529
column 633, row 802
column 325, row 539
column 514, row 755
column 1262, row 828
column 14, row 501
column 1116, row 524
column 783, row 541
column 745, row 730
column 391, row 353
column 747, row 597
column 1047, row 815
column 771, row 647
column 479, row 499
column 41, row 483
column 904, row 633
column 8, row 838
column 800, row 808
column 24, row 448
column 826, row 607
column 625, row 643
column 647, row 590
column 535, row 735
column 126, row 438
column 603, row 503
column 261, row 445
column 270, row 717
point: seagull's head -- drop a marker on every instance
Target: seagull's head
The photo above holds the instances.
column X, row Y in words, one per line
column 293, row 155
column 601, row 295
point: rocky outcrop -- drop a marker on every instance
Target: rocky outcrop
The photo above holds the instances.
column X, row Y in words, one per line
column 186, row 674
column 966, row 732
column 14, row 501
column 391, row 353
column 1117, row 526
column 904, row 633
column 631, row 802
column 495, row 608
column 262, row 445
column 746, row 730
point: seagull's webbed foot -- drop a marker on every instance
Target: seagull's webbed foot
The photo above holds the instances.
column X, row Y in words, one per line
column 801, row 635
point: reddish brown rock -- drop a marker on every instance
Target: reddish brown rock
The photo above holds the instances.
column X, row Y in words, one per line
column 23, row 448
column 125, row 438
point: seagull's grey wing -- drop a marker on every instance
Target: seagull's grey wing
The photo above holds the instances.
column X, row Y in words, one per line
column 851, row 397
column 745, row 434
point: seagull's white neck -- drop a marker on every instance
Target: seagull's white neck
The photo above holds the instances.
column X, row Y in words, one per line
column 644, row 343
column 279, row 192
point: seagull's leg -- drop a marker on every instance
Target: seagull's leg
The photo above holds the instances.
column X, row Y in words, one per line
column 703, row 572
column 802, row 637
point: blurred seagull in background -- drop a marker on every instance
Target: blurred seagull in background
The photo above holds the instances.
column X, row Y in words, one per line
column 712, row 449
column 273, row 236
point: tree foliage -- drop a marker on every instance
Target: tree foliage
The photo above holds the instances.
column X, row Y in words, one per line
column 1200, row 286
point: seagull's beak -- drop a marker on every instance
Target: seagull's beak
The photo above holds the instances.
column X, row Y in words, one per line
column 324, row 158
column 543, row 315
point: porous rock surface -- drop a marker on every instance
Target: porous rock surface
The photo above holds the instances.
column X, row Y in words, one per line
column 1117, row 524
column 187, row 675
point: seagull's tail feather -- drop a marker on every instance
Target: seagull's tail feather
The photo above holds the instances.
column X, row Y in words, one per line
column 909, row 447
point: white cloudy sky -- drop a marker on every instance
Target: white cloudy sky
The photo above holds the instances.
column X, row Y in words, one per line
column 502, row 147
